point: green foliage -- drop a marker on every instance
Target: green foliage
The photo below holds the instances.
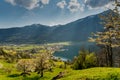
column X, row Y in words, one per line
column 90, row 60
column 9, row 56
column 112, row 76
column 23, row 55
column 84, row 60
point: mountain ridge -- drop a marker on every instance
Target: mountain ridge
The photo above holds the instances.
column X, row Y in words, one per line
column 76, row 31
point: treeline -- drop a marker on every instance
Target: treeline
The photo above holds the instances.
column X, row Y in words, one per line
column 87, row 59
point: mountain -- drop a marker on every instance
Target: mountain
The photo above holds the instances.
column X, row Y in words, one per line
column 79, row 30
column 75, row 31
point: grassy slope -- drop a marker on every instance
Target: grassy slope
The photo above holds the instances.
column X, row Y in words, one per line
column 86, row 74
column 97, row 73
column 14, row 74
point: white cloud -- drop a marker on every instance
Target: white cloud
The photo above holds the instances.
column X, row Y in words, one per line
column 28, row 4
column 62, row 4
column 95, row 4
column 11, row 1
column 45, row 1
column 75, row 6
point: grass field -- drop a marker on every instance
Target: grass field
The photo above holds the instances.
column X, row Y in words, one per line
column 8, row 71
column 98, row 73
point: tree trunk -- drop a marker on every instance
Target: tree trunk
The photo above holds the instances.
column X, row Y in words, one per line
column 41, row 73
column 106, row 57
column 111, row 56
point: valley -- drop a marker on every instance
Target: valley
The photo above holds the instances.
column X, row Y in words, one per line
column 60, row 45
column 64, row 50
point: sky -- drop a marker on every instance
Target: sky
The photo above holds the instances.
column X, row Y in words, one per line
column 18, row 13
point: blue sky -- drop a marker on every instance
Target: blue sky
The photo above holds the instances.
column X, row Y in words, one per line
column 18, row 13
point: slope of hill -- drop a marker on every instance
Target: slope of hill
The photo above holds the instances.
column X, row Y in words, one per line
column 98, row 73
column 75, row 31
column 27, row 34
column 79, row 30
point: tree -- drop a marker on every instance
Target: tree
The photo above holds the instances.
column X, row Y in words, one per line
column 79, row 61
column 26, row 66
column 43, row 62
column 9, row 55
column 110, row 37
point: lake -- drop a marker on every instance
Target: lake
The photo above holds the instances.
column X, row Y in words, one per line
column 69, row 51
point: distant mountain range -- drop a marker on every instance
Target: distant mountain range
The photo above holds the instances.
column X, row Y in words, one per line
column 75, row 31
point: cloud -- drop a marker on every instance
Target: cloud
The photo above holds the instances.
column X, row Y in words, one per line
column 62, row 4
column 11, row 1
column 45, row 2
column 91, row 4
column 75, row 6
column 28, row 4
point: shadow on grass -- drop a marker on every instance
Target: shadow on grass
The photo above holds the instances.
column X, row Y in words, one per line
column 27, row 77
column 32, row 78
column 13, row 75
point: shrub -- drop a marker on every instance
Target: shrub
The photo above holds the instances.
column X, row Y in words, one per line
column 90, row 60
column 84, row 60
